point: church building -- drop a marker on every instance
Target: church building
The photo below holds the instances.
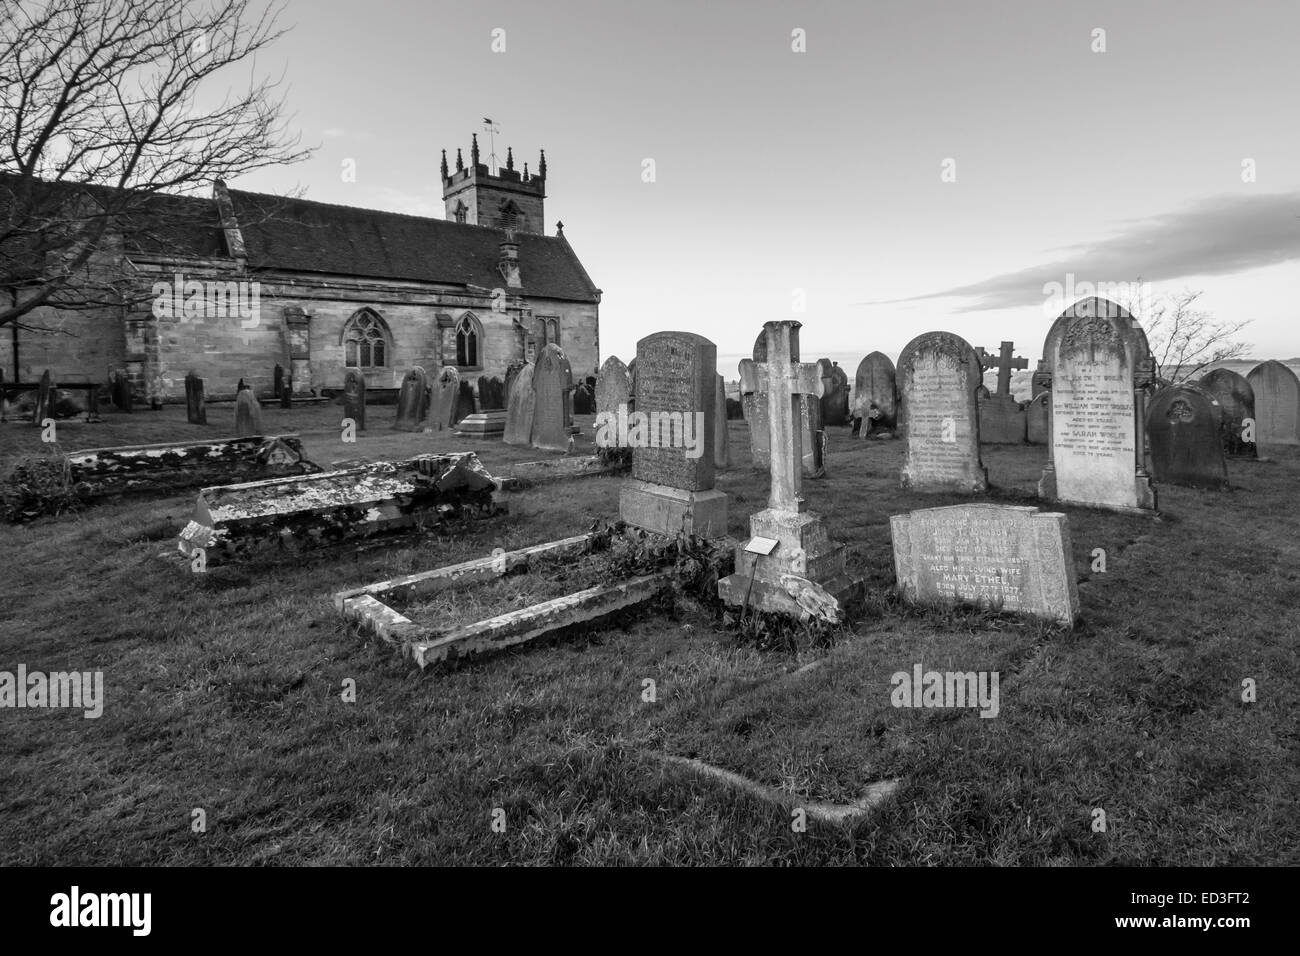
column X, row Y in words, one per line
column 241, row 282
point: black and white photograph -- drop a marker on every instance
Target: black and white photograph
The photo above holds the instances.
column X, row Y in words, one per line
column 586, row 434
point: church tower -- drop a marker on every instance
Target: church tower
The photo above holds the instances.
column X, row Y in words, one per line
column 506, row 200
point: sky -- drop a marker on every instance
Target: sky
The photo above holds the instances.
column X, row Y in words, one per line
column 918, row 165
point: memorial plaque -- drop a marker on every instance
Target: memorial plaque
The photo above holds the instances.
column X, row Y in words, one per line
column 938, row 374
column 411, row 401
column 1183, row 425
column 520, row 406
column 354, row 397
column 613, row 386
column 875, row 395
column 552, row 385
column 1237, row 399
column 196, row 409
column 1277, row 404
column 675, row 391
column 1000, row 556
column 248, row 414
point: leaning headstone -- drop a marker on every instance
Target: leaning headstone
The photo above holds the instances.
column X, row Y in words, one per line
column 1037, row 411
column 613, row 386
column 195, row 408
column 1183, row 423
column 721, row 433
column 521, row 406
column 1007, row 557
column 248, row 414
column 673, row 467
column 552, row 383
column 1277, row 404
column 464, row 403
column 1237, row 399
column 354, row 397
column 442, row 406
column 1100, row 368
column 875, row 396
column 789, row 566
column 44, row 400
column 491, row 393
column 938, row 373
column 411, row 406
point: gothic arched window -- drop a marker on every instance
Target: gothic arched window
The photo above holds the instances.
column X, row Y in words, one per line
column 468, row 338
column 461, row 211
column 365, row 341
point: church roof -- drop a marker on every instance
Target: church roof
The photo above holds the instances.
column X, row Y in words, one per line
column 299, row 235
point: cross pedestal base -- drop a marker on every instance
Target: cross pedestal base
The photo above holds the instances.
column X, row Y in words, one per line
column 666, row 510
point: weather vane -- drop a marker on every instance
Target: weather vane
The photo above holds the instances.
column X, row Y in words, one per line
column 491, row 129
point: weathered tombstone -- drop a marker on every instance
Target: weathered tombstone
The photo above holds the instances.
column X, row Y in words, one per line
column 521, row 404
column 1007, row 557
column 248, row 414
column 721, row 433
column 789, row 565
column 613, row 387
column 1002, row 419
column 835, row 394
column 754, row 405
column 44, row 400
column 1183, row 423
column 552, row 384
column 1037, row 430
column 354, row 397
column 1100, row 368
column 195, row 408
column 671, row 489
column 464, row 403
column 491, row 394
column 1237, row 399
column 442, row 406
column 810, row 419
column 411, row 401
column 938, row 373
column 1277, row 404
column 875, row 396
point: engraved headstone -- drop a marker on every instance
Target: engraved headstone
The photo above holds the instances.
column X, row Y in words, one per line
column 1100, row 368
column 521, row 405
column 1237, row 399
column 196, row 409
column 1183, row 423
column 552, row 384
column 354, row 397
column 442, row 405
column 1007, row 557
column 938, row 373
column 875, row 396
column 44, row 400
column 411, row 401
column 613, row 386
column 248, row 414
column 1277, row 404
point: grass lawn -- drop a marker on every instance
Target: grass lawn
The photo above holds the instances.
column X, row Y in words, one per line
column 224, row 691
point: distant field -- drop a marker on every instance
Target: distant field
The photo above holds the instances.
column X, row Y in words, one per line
column 224, row 692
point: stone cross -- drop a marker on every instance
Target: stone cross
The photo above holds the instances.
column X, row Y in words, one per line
column 784, row 378
column 1004, row 364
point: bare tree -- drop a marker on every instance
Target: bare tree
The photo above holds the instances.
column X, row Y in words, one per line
column 1184, row 340
column 106, row 108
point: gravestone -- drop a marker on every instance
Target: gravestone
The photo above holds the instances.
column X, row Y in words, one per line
column 1100, row 368
column 671, row 489
column 120, row 388
column 491, row 394
column 1277, row 404
column 754, row 407
column 521, row 404
column 613, row 387
column 1041, row 380
column 248, row 414
column 552, row 386
column 789, row 565
column 442, row 405
column 721, row 433
column 813, row 444
column 875, row 396
column 286, row 391
column 44, row 400
column 1008, row 557
column 1237, row 399
column 464, row 403
column 584, row 400
column 835, row 394
column 1002, row 419
column 411, row 398
column 1037, row 430
column 512, row 370
column 1183, row 427
column 196, row 411
column 354, row 397
column 277, row 381
column 938, row 373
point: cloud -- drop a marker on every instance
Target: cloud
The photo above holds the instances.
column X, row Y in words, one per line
column 1220, row 235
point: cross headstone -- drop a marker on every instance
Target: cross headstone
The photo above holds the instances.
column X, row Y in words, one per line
column 44, row 400
column 552, row 385
column 875, row 396
column 195, row 408
column 789, row 565
column 354, row 397
column 1277, row 404
column 411, row 407
column 248, row 414
column 1237, row 399
column 1005, row 363
column 813, row 445
column 1183, row 423
column 1002, row 419
column 938, row 374
column 521, row 405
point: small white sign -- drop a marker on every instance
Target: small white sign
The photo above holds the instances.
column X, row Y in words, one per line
column 761, row 545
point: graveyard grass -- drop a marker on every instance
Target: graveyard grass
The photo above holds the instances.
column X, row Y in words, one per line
column 224, row 693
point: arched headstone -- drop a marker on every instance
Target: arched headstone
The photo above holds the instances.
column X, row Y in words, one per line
column 1183, row 424
column 1237, row 399
column 875, row 395
column 938, row 373
column 1277, row 404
